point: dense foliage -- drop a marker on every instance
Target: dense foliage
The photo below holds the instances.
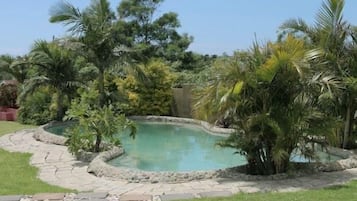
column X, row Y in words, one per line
column 150, row 34
column 8, row 94
column 35, row 109
column 287, row 96
column 334, row 42
column 151, row 95
column 269, row 104
column 95, row 124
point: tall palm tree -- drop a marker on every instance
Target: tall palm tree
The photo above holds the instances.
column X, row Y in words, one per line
column 55, row 69
column 95, row 30
column 334, row 39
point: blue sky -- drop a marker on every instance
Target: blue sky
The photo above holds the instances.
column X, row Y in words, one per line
column 217, row 26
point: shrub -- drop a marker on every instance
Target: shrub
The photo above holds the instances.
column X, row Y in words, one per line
column 95, row 124
column 8, row 94
column 151, row 95
column 35, row 108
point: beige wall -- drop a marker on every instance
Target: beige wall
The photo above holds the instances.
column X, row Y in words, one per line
column 182, row 104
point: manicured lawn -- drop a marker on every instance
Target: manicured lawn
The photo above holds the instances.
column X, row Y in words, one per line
column 346, row 192
column 16, row 175
column 9, row 127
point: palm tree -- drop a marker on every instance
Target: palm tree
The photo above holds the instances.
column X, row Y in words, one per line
column 15, row 68
column 5, row 62
column 95, row 30
column 55, row 69
column 334, row 39
column 267, row 101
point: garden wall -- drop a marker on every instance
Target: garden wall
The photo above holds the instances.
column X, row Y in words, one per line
column 7, row 114
column 182, row 105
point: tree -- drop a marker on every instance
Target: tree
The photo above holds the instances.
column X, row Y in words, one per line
column 334, row 40
column 15, row 68
column 55, row 69
column 95, row 31
column 5, row 62
column 151, row 36
column 264, row 95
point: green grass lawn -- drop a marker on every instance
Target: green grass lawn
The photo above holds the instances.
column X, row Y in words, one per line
column 16, row 175
column 346, row 192
column 9, row 127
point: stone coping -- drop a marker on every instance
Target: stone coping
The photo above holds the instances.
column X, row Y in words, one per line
column 211, row 129
column 100, row 168
column 44, row 136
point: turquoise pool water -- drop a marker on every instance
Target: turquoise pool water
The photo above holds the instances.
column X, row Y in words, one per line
column 175, row 147
column 166, row 147
column 58, row 129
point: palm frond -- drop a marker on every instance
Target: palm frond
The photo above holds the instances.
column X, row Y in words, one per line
column 296, row 27
column 69, row 15
column 330, row 14
column 31, row 85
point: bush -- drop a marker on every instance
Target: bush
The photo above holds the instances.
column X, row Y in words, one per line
column 151, row 95
column 95, row 124
column 35, row 108
column 8, row 95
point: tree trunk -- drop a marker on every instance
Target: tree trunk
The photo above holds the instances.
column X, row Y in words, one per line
column 256, row 166
column 59, row 102
column 347, row 129
column 97, row 143
column 101, row 88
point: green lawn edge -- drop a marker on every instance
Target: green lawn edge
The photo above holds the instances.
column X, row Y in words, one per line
column 7, row 127
column 17, row 176
column 346, row 192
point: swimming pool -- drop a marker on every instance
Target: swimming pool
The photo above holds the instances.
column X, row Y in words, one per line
column 177, row 147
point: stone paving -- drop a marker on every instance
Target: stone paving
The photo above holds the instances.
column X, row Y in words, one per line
column 58, row 167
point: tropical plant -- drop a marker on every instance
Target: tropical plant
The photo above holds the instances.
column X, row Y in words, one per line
column 96, row 33
column 95, row 124
column 55, row 68
column 265, row 96
column 334, row 64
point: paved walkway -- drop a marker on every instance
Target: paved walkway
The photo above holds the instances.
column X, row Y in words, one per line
column 58, row 167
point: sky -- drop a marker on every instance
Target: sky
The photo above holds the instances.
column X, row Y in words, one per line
column 217, row 26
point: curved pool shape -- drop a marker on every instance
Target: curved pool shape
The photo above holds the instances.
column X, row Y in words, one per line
column 169, row 147
column 178, row 147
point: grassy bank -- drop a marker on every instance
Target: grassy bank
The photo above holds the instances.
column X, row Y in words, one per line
column 16, row 175
column 10, row 126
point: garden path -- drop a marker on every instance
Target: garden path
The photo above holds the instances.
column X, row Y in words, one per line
column 58, row 167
